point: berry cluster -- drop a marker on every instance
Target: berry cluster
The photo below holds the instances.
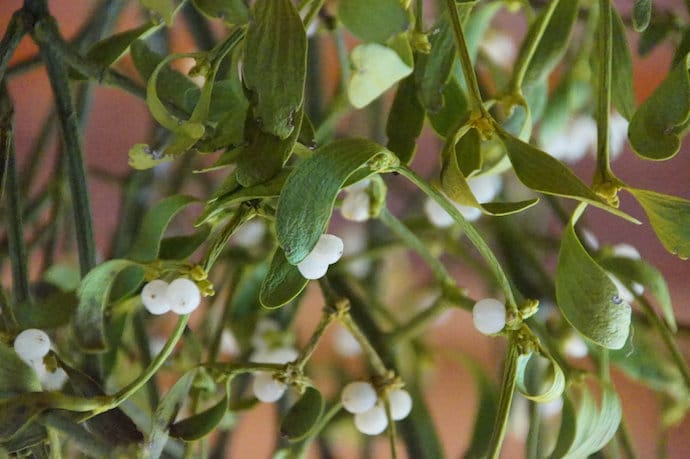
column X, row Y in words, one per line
column 181, row 296
column 328, row 250
column 361, row 399
column 489, row 316
column 266, row 388
column 32, row 345
column 356, row 205
column 484, row 188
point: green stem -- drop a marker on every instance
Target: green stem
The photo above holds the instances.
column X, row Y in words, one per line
column 475, row 101
column 603, row 172
column 220, row 240
column 57, row 74
column 667, row 337
column 327, row 318
column 314, row 9
column 141, row 337
column 504, row 402
column 472, row 234
column 19, row 25
column 515, row 86
column 9, row 185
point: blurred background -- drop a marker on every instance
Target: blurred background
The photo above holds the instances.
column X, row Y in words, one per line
column 118, row 120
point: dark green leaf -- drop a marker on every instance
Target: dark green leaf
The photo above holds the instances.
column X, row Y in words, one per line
column 265, row 154
column 182, row 247
column 165, row 415
column 541, row 172
column 16, row 413
column 226, row 116
column 306, row 201
column 405, row 121
column 32, row 435
column 552, row 44
column 622, row 91
column 375, row 68
column 283, row 282
column 275, row 65
column 373, row 21
column 147, row 244
column 230, row 11
column 642, row 14
column 670, row 219
column 94, row 293
column 301, row 418
column 432, row 70
column 683, row 48
column 51, row 311
column 654, row 129
column 15, row 375
column 586, row 296
column 630, row 270
column 454, row 108
column 201, row 424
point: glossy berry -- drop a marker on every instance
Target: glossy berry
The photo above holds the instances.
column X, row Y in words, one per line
column 328, row 249
column 266, row 388
column 401, row 404
column 372, row 421
column 358, row 397
column 489, row 316
column 355, row 206
column 154, row 295
column 32, row 344
column 184, row 296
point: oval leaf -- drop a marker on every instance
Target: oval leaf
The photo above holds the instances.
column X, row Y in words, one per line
column 275, row 65
column 306, row 201
column 670, row 218
column 405, row 121
column 587, row 297
column 283, row 282
column 201, row 424
column 94, row 292
column 303, row 416
column 642, row 14
column 622, row 91
column 375, row 68
column 373, row 21
column 432, row 70
column 654, row 129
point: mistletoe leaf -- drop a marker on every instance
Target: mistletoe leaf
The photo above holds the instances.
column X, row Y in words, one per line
column 654, row 130
column 622, row 91
column 230, row 11
column 670, row 219
column 275, row 65
column 303, row 416
column 405, row 121
column 586, row 296
column 306, row 201
column 373, row 21
column 201, row 424
column 375, row 69
column 282, row 283
column 642, row 14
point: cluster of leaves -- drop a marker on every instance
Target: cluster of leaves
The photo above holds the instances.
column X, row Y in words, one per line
column 282, row 160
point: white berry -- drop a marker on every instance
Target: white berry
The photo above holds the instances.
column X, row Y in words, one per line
column 329, row 247
column 312, row 268
column 626, row 251
column 437, row 215
column 575, row 347
column 489, row 316
column 372, row 421
column 355, row 206
column 32, row 344
column 154, row 295
column 266, row 388
column 358, row 397
column 401, row 404
column 184, row 296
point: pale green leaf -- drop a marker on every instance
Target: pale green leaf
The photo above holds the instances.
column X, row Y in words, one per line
column 166, row 9
column 544, row 369
column 587, row 297
column 141, row 157
column 375, row 69
column 230, row 11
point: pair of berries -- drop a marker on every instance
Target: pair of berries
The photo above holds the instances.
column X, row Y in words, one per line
column 328, row 250
column 181, row 296
column 32, row 345
column 361, row 399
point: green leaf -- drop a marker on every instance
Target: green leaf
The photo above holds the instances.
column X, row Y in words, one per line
column 642, row 14
column 142, row 157
column 94, row 293
column 15, row 375
column 165, row 415
column 630, row 270
column 432, row 70
column 182, row 247
column 264, row 156
column 201, row 424
column 16, row 413
column 275, row 65
column 230, row 11
column 552, row 44
column 549, row 377
column 226, row 116
column 670, row 219
column 454, row 108
column 147, row 244
column 487, row 407
column 586, row 296
column 49, row 312
column 373, row 21
column 622, row 91
column 405, row 121
column 542, row 172
column 654, row 129
column 567, row 431
column 375, row 68
column 166, row 9
column 301, row 418
column 306, row 201
column 283, row 282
